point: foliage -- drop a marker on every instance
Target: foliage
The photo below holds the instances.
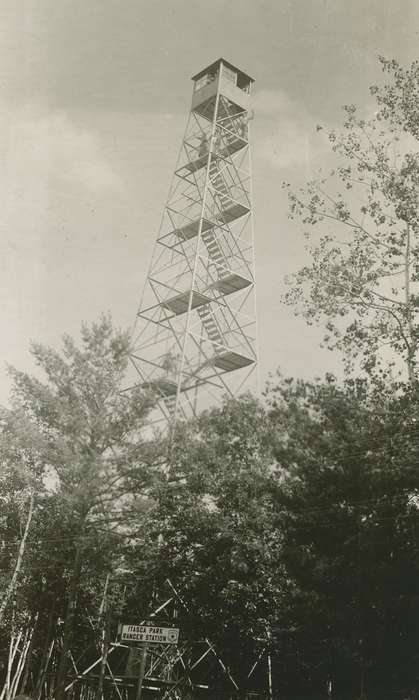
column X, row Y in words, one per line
column 90, row 429
column 82, row 442
column 362, row 278
column 292, row 527
column 215, row 520
column 348, row 510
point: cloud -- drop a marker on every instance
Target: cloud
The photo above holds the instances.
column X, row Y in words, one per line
column 286, row 136
column 45, row 152
column 270, row 103
column 54, row 178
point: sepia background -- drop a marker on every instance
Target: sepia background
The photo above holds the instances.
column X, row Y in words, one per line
column 94, row 99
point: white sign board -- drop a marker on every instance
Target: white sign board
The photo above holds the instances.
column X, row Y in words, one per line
column 151, row 635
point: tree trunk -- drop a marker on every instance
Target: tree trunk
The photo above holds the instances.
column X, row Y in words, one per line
column 45, row 655
column 27, row 667
column 68, row 625
column 13, row 582
column 411, row 349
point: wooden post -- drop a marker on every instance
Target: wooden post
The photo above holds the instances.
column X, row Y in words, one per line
column 329, row 687
column 104, row 623
column 269, row 659
column 142, row 671
column 68, row 624
column 271, row 695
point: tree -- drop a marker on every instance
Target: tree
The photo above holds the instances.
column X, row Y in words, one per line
column 218, row 544
column 93, row 450
column 364, row 271
column 348, row 511
column 20, row 484
column 295, row 527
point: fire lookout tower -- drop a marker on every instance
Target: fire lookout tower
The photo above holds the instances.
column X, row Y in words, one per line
column 195, row 334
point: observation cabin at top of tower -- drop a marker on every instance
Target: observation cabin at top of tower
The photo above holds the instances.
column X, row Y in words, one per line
column 221, row 78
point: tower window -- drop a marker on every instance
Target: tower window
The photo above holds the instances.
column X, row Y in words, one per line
column 206, row 79
column 243, row 83
column 229, row 74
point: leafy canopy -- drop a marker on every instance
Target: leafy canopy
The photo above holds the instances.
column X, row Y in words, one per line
column 363, row 218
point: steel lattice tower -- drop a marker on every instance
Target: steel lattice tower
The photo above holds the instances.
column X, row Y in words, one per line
column 195, row 335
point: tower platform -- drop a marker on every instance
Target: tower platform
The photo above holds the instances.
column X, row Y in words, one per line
column 229, row 361
column 235, row 145
column 230, row 283
column 230, row 213
column 179, row 304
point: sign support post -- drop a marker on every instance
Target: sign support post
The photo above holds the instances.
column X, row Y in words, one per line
column 142, row 670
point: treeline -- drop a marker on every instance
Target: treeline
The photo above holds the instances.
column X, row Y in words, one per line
column 289, row 524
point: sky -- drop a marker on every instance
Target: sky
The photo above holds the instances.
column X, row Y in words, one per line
column 94, row 97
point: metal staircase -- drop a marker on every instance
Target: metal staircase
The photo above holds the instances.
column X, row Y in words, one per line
column 215, row 252
column 210, row 324
column 219, row 185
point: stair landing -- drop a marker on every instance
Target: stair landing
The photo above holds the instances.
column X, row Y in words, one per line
column 230, row 283
column 179, row 304
column 229, row 361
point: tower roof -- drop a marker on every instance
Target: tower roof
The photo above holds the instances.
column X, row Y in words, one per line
column 216, row 64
